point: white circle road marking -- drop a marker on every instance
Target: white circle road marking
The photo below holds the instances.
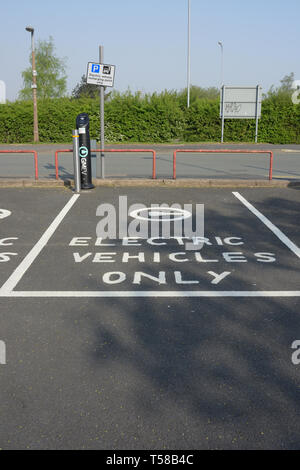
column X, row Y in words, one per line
column 4, row 213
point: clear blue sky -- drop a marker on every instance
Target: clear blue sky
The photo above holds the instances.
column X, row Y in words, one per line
column 147, row 40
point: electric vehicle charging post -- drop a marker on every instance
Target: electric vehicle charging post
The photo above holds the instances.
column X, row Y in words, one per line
column 83, row 125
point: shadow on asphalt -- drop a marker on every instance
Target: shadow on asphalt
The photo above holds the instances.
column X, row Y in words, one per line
column 62, row 172
column 217, row 368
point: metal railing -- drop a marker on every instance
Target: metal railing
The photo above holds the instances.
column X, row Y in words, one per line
column 36, row 171
column 222, row 151
column 56, row 160
column 112, row 151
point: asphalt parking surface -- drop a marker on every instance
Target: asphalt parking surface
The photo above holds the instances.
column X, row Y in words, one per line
column 108, row 348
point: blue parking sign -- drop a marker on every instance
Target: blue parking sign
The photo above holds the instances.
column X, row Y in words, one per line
column 100, row 74
column 95, row 68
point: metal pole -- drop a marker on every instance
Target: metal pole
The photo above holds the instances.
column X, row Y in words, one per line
column 222, row 65
column 34, row 95
column 256, row 116
column 77, row 183
column 189, row 54
column 223, row 91
column 222, row 61
column 223, row 101
column 102, row 138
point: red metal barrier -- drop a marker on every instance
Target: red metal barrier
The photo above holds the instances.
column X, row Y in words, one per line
column 56, row 160
column 112, row 150
column 222, row 151
column 27, row 151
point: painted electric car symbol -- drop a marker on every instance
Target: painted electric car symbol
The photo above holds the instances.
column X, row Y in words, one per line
column 160, row 214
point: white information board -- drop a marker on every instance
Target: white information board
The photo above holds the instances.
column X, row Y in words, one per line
column 100, row 74
column 240, row 102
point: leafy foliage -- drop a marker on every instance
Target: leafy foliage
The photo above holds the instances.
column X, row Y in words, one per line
column 197, row 93
column 51, row 78
column 86, row 90
column 157, row 117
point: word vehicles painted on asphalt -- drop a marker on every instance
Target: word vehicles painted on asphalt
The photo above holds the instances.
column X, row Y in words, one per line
column 160, row 261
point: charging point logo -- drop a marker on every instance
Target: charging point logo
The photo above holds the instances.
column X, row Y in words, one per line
column 83, row 151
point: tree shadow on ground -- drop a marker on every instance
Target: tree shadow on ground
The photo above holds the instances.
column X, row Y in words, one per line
column 210, row 372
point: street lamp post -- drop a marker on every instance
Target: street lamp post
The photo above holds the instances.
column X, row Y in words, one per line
column 33, row 86
column 222, row 61
column 189, row 54
column 223, row 90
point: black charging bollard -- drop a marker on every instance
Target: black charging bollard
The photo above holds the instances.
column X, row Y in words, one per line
column 83, row 126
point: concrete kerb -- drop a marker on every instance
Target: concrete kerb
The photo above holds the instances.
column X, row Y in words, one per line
column 31, row 183
column 178, row 183
column 195, row 183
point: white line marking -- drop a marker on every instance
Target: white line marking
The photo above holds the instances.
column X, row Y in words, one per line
column 7, row 288
column 151, row 294
column 279, row 234
column 19, row 272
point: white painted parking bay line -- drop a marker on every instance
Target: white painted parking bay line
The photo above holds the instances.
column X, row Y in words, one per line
column 180, row 293
column 18, row 273
column 279, row 234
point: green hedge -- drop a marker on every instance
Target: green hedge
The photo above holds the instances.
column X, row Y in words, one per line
column 150, row 118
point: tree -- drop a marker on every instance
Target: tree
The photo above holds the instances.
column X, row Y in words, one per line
column 287, row 82
column 198, row 93
column 284, row 92
column 83, row 89
column 51, row 75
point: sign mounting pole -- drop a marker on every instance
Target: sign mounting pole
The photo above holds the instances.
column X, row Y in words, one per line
column 256, row 113
column 223, row 102
column 102, row 75
column 102, row 137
